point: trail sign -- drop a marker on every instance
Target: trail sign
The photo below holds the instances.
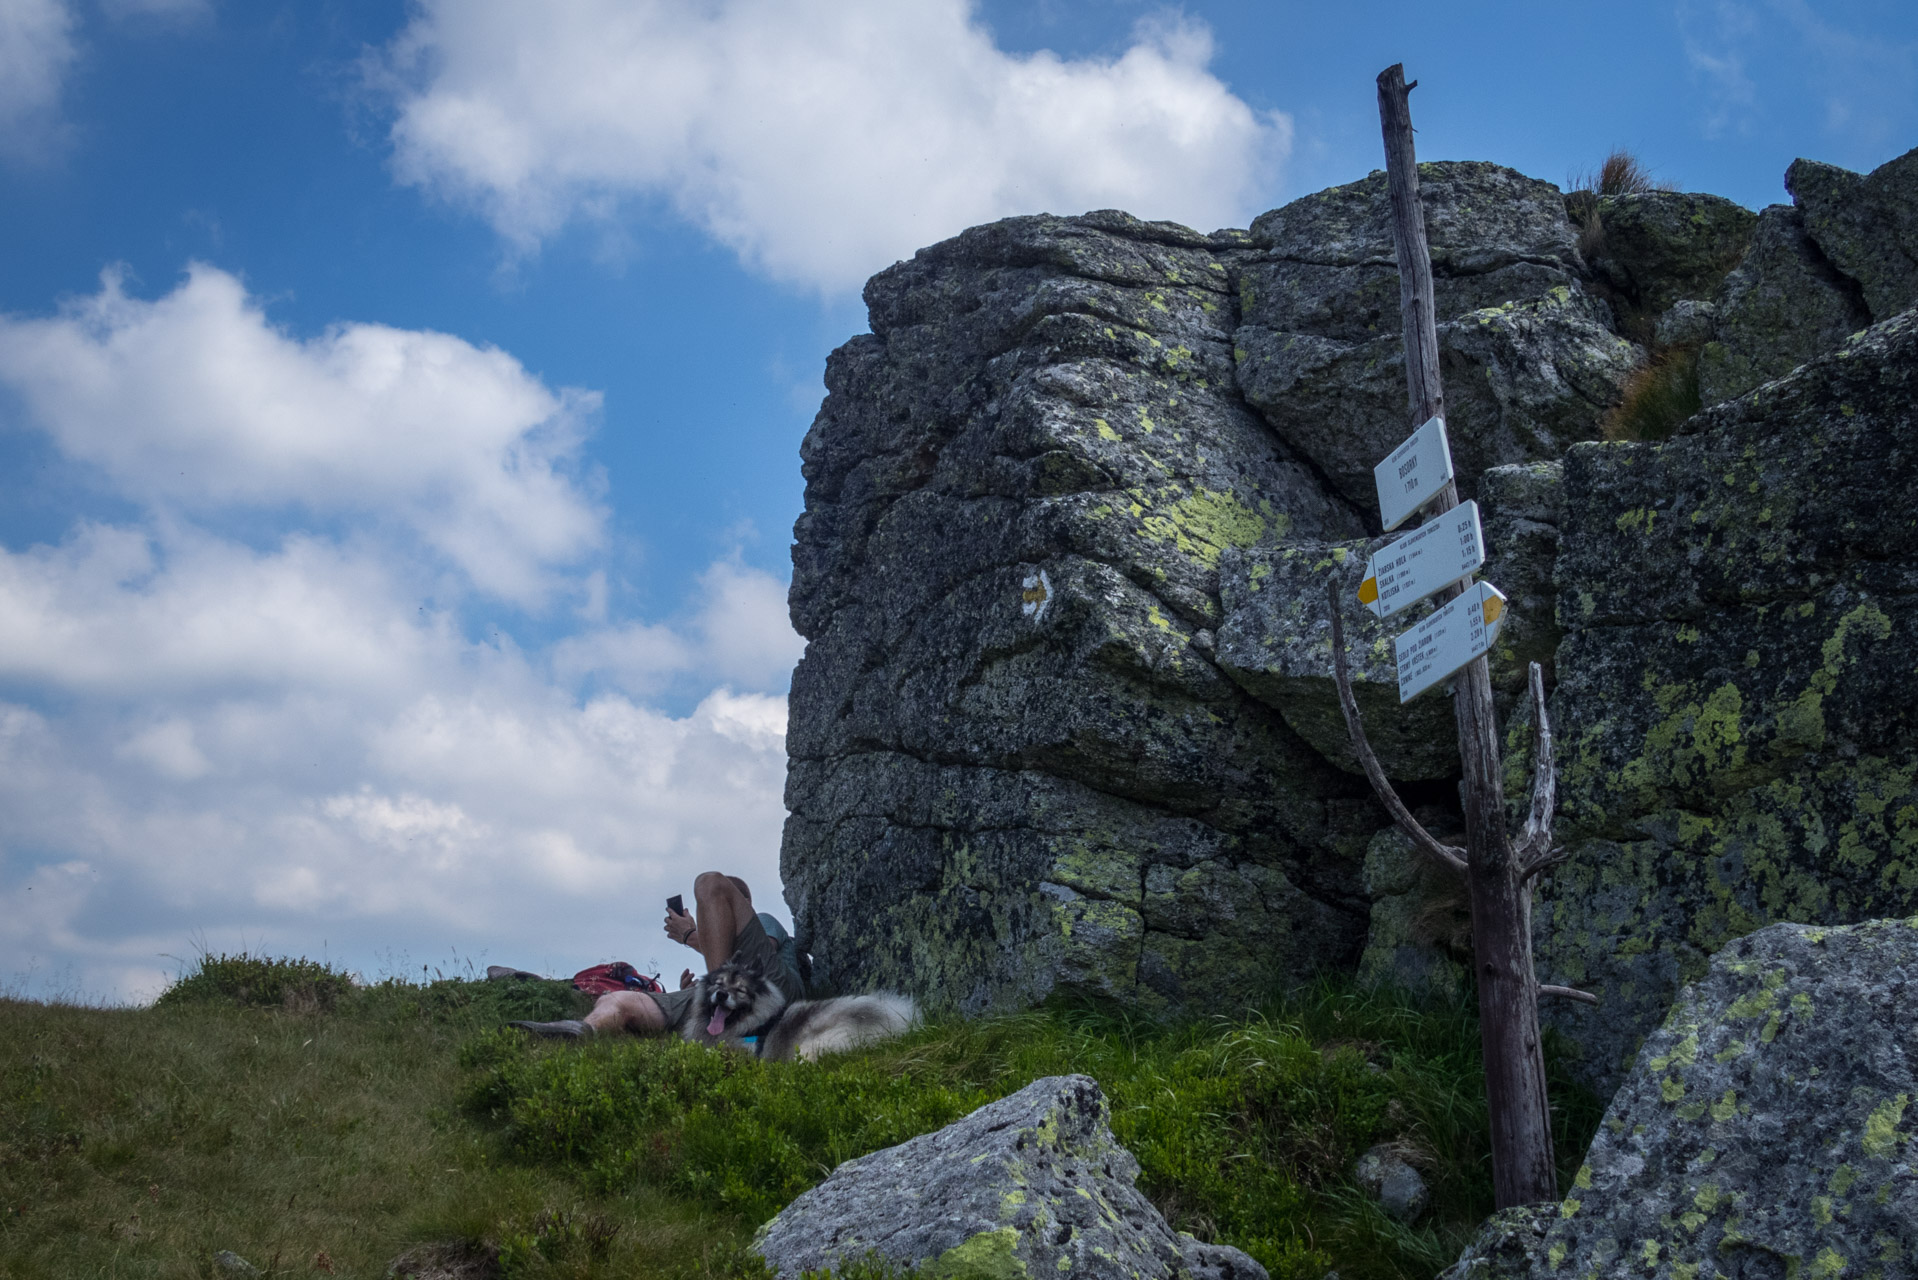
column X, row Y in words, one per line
column 1450, row 638
column 1428, row 559
column 1413, row 474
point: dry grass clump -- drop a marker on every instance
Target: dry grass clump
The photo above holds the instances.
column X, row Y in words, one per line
column 1620, row 174
column 1657, row 398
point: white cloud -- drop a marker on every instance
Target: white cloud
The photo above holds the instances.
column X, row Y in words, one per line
column 819, row 139
column 277, row 745
column 36, row 51
column 195, row 401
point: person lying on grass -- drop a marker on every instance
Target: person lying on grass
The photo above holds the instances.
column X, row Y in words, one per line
column 722, row 927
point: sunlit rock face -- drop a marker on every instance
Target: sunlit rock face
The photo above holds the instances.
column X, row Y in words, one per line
column 1014, row 763
column 1065, row 720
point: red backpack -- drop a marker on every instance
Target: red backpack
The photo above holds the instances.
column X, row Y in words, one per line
column 615, row 975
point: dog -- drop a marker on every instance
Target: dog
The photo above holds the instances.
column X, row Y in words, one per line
column 740, row 1006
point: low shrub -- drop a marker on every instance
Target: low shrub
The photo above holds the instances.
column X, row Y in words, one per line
column 297, row 986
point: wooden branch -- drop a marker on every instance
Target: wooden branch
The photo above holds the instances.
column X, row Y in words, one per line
column 1568, row 993
column 1543, row 862
column 1537, row 839
column 1424, row 841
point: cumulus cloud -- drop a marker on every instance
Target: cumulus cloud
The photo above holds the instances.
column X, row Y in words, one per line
column 36, row 51
column 196, row 401
column 819, row 139
column 275, row 743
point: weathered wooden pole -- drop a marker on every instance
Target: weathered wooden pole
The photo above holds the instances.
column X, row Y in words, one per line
column 1522, row 1164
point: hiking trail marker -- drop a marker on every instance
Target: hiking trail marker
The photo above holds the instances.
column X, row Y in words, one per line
column 1413, row 475
column 1450, row 638
column 1428, row 559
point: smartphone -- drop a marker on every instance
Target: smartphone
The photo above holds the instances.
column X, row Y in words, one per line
column 676, row 904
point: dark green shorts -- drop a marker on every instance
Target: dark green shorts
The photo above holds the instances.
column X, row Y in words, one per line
column 752, row 946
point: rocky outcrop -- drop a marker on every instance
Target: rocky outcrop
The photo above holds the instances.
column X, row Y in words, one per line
column 1659, row 248
column 1784, row 305
column 1842, row 256
column 1866, row 226
column 1738, row 742
column 1031, row 1185
column 1766, row 1128
column 1066, row 717
column 1531, row 362
column 1014, row 763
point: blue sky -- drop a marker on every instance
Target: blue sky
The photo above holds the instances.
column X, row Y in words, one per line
column 400, row 404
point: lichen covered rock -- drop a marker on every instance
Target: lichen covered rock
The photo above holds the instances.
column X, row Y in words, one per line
column 1033, row 1185
column 1737, row 739
column 1660, row 247
column 1866, row 226
column 1530, row 359
column 1783, row 305
column 1014, row 763
column 1766, row 1127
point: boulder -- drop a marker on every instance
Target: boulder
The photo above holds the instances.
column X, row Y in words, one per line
column 1736, row 739
column 1014, row 762
column 1530, row 359
column 1866, row 226
column 1031, row 1185
column 1766, row 1128
column 1783, row 305
column 1396, row 1185
column 1507, row 1245
column 1661, row 247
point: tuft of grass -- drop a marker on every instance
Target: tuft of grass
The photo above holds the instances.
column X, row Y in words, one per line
column 1619, row 174
column 1658, row 398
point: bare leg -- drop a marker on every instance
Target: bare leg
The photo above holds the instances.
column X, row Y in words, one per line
column 631, row 1011
column 724, row 907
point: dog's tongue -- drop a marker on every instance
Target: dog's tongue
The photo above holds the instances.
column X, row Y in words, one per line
column 718, row 1024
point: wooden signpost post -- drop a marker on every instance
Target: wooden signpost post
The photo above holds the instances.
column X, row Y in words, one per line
column 1437, row 559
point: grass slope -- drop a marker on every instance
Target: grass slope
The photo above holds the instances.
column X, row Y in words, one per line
column 337, row 1127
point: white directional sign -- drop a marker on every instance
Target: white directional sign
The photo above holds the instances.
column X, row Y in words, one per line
column 1433, row 556
column 1414, row 473
column 1449, row 639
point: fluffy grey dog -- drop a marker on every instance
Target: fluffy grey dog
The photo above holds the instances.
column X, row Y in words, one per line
column 736, row 1002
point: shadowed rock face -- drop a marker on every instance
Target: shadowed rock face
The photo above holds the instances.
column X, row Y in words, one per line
column 1529, row 358
column 1739, row 739
column 1765, row 1129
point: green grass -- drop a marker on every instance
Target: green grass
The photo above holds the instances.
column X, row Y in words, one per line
column 139, row 1142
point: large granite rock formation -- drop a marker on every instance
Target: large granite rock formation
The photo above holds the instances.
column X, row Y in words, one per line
column 1031, row 1185
column 1766, row 1129
column 1066, row 720
column 1738, row 738
column 1014, row 763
